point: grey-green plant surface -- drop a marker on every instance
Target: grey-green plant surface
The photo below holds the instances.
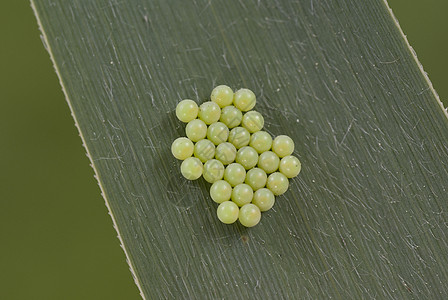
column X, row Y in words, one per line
column 367, row 216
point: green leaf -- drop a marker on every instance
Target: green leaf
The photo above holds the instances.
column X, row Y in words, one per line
column 366, row 218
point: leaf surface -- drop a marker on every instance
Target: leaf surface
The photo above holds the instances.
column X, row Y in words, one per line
column 367, row 216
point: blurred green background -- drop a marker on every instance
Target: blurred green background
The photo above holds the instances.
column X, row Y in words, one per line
column 57, row 240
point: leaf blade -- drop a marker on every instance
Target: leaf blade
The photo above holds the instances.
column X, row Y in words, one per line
column 339, row 71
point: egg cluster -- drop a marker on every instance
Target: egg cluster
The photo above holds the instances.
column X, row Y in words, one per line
column 226, row 145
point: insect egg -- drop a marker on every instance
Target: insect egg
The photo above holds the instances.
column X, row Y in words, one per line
column 196, row 130
column 264, row 199
column 191, row 168
column 283, row 146
column 242, row 194
column 244, row 99
column 261, row 141
column 226, row 145
column 187, row 110
column 247, row 157
column 253, row 121
column 225, row 153
column 249, row 215
column 256, row 178
column 290, row 166
column 204, row 150
column 228, row 212
column 213, row 170
column 268, row 161
column 277, row 183
column 209, row 112
column 220, row 191
column 239, row 137
column 234, row 174
column 222, row 95
column 182, row 148
column 231, row 116
column 217, row 133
